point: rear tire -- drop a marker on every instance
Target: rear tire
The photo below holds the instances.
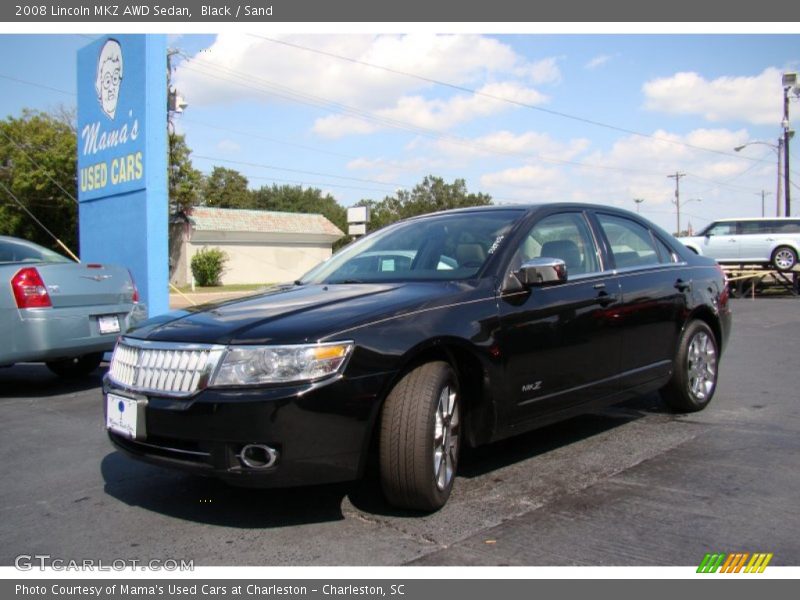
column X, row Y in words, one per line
column 784, row 258
column 420, row 438
column 79, row 366
column 695, row 370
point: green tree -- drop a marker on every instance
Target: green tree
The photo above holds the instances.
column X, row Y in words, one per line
column 38, row 164
column 185, row 182
column 431, row 195
column 226, row 188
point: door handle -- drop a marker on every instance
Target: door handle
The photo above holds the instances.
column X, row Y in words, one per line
column 604, row 299
column 683, row 286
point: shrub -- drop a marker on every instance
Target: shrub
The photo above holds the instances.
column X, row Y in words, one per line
column 208, row 265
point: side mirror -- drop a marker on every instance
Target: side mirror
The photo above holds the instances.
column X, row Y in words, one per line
column 542, row 271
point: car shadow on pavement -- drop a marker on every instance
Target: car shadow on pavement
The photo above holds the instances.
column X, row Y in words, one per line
column 210, row 501
column 206, row 500
column 481, row 461
column 476, row 462
column 31, row 380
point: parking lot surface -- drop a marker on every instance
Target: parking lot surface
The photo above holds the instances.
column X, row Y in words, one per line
column 630, row 485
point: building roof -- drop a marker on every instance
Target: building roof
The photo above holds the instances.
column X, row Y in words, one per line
column 205, row 218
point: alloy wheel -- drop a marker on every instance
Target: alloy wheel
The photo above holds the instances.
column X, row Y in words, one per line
column 445, row 437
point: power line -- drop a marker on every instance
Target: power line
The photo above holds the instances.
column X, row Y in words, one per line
column 290, row 170
column 498, row 98
column 38, row 165
column 367, row 116
column 250, row 134
column 39, row 85
column 38, row 222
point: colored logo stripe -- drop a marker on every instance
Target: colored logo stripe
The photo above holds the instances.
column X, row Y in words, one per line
column 734, row 562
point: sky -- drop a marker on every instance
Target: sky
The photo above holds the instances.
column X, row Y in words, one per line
column 601, row 118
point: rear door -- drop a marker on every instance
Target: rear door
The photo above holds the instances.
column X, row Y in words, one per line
column 655, row 290
column 756, row 240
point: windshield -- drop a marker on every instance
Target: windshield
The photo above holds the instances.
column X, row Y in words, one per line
column 20, row 251
column 440, row 247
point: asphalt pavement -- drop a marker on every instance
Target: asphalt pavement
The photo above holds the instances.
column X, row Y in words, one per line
column 630, row 485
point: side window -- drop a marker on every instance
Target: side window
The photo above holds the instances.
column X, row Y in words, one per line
column 666, row 253
column 632, row 244
column 728, row 228
column 791, row 227
column 755, row 227
column 565, row 236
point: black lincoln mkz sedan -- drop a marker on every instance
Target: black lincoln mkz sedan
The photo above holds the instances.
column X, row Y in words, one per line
column 461, row 327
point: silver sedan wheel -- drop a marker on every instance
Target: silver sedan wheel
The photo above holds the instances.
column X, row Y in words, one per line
column 445, row 437
column 784, row 259
column 702, row 366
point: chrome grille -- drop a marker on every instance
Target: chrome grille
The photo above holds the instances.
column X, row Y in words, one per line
column 162, row 367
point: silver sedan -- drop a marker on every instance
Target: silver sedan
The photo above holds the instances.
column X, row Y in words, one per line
column 60, row 312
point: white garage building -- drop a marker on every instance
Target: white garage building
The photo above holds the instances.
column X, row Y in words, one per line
column 262, row 246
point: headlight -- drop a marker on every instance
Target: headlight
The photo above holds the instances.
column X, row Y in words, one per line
column 250, row 365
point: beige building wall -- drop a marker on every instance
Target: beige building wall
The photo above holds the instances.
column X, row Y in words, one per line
column 253, row 258
column 266, row 263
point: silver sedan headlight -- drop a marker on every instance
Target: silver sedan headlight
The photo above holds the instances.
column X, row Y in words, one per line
column 252, row 365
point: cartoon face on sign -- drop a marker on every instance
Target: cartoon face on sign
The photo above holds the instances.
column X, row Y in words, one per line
column 109, row 76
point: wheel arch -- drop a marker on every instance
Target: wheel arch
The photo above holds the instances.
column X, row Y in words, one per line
column 477, row 405
column 705, row 314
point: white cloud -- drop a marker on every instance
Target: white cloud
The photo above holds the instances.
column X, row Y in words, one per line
column 542, row 71
column 637, row 167
column 433, row 114
column 396, row 170
column 509, row 143
column 598, row 61
column 532, row 176
column 240, row 67
column 755, row 99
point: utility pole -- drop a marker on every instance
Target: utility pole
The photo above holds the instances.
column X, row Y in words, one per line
column 763, row 194
column 787, row 135
column 677, row 201
column 779, row 192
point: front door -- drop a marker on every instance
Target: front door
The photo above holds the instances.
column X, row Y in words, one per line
column 560, row 342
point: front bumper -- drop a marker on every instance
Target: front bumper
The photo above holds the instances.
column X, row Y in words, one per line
column 321, row 431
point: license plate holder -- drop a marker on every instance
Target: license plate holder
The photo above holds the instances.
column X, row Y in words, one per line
column 108, row 324
column 126, row 416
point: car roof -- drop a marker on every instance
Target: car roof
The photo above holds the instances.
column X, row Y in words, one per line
column 741, row 219
column 529, row 207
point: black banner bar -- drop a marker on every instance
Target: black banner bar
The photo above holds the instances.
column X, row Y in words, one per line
column 440, row 11
column 399, row 589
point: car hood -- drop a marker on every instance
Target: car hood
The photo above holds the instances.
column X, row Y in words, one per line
column 295, row 314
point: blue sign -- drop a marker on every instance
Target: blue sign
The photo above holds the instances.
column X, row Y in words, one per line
column 122, row 159
column 112, row 117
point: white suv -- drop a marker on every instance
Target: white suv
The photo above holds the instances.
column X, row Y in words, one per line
column 767, row 241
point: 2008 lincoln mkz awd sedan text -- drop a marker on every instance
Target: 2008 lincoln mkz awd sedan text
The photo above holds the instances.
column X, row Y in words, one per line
column 461, row 327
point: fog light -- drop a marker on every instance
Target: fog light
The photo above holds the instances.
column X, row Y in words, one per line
column 258, row 456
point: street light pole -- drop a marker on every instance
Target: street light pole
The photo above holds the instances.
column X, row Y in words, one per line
column 789, row 81
column 638, row 203
column 779, row 149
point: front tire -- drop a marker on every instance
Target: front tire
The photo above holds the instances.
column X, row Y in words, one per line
column 420, row 438
column 79, row 366
column 695, row 370
column 784, row 258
